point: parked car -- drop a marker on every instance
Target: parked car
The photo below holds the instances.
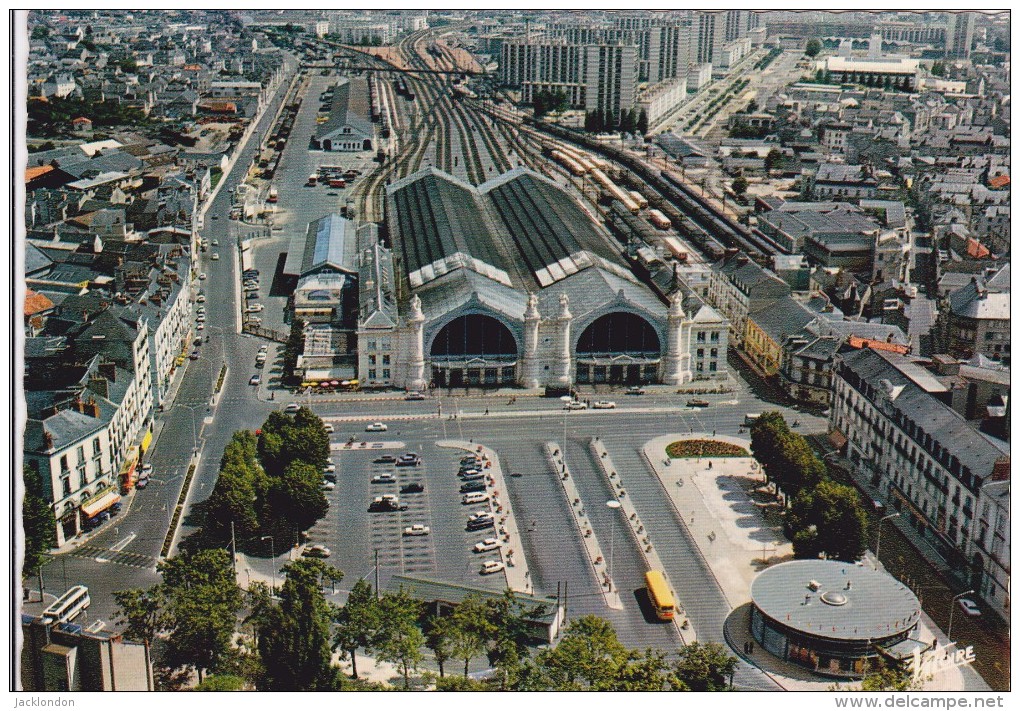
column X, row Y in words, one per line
column 414, row 395
column 477, row 497
column 969, row 607
column 603, row 405
column 471, row 475
column 142, row 481
column 409, row 460
column 329, row 468
column 202, row 276
column 146, row 469
column 417, row 529
column 575, row 405
column 698, row 402
column 317, row 551
column 480, row 524
column 194, row 354
column 254, row 308
column 472, row 486
column 386, row 478
column 489, row 544
column 635, row 390
column 292, row 408
column 385, row 459
column 376, row 427
column 250, row 272
column 215, row 243
column 201, row 298
column 329, row 476
column 255, row 379
column 480, row 516
column 491, row 566
column 329, row 428
column 384, row 503
column 328, row 485
column 216, row 256
column 414, row 488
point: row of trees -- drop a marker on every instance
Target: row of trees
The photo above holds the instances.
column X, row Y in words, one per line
column 53, row 116
column 268, row 484
column 294, row 347
column 545, row 101
column 206, row 625
column 824, row 518
column 628, row 121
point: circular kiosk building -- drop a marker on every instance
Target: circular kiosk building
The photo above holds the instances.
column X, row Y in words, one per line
column 830, row 616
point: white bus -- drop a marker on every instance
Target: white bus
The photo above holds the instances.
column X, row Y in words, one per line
column 68, row 606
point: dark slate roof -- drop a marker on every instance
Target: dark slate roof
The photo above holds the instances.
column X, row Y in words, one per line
column 348, row 110
column 750, row 277
column 35, row 260
column 875, row 606
column 975, row 450
column 782, row 318
column 519, row 229
column 977, row 301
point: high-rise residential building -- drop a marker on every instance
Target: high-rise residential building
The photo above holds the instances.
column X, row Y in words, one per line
column 592, row 76
column 711, row 35
column 959, row 34
column 739, row 23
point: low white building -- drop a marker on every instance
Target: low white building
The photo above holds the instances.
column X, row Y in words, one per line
column 699, row 76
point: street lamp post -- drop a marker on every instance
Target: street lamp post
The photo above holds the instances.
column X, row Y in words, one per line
column 565, row 399
column 613, row 505
column 952, row 609
column 878, row 543
column 272, row 554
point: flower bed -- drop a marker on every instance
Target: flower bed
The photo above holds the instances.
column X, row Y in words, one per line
column 704, row 448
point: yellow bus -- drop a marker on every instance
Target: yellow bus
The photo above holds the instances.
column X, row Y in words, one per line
column 659, row 595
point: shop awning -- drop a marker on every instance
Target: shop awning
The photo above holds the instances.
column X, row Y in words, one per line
column 101, row 504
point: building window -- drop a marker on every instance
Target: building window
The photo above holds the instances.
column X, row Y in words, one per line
column 386, row 360
column 714, row 352
column 713, row 366
column 701, row 367
column 701, row 336
column 715, row 337
column 371, row 374
column 65, row 482
column 701, row 352
column 371, row 345
column 386, row 373
column 371, row 360
column 63, row 463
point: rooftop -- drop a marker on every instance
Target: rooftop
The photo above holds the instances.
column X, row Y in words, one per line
column 850, row 603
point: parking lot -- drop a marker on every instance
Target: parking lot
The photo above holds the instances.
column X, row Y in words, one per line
column 355, row 535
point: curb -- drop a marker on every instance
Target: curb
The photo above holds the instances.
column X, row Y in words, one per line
column 596, row 558
column 636, row 528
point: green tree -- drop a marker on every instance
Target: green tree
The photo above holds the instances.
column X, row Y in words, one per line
column 766, row 433
column 40, row 32
column 142, row 612
column 296, row 497
column 828, row 519
column 647, row 671
column 888, row 678
column 222, row 682
column 285, row 439
column 37, row 520
column 357, row 623
column 437, row 639
column 642, row 122
column 938, row 69
column 588, row 657
column 202, row 602
column 294, row 636
column 705, row 666
column 740, row 185
column 128, row 65
column 812, row 48
column 801, row 467
column 468, row 629
column 507, row 643
column 294, row 347
column 400, row 641
column 460, row 683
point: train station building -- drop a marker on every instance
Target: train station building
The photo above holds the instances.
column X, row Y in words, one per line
column 514, row 283
column 834, row 618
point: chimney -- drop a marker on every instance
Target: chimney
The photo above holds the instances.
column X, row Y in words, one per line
column 79, row 404
column 48, row 441
column 99, row 385
column 108, row 371
column 1000, row 470
column 92, row 408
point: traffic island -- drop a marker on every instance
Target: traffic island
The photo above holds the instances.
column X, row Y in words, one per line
column 637, row 529
column 518, row 577
column 599, row 563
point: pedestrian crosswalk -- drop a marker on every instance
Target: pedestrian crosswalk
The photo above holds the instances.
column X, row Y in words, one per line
column 128, row 558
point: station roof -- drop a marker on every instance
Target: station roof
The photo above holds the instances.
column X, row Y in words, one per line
column 519, row 229
column 330, row 245
column 851, row 602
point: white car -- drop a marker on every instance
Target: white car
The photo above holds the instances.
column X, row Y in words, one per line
column 385, row 478
column 201, row 298
column 970, row 609
column 376, row 427
column 476, row 497
column 491, row 566
column 263, row 349
column 576, row 405
column 317, row 551
column 489, row 544
column 328, row 486
column 200, row 326
column 417, row 530
column 216, row 256
column 329, row 428
column 254, row 308
column 480, row 516
column 255, row 379
column 329, row 468
column 215, row 243
column 201, row 276
column 200, row 318
column 603, row 405
column 292, row 408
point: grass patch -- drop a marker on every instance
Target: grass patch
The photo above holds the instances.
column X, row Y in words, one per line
column 219, row 382
column 177, row 512
column 690, row 448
